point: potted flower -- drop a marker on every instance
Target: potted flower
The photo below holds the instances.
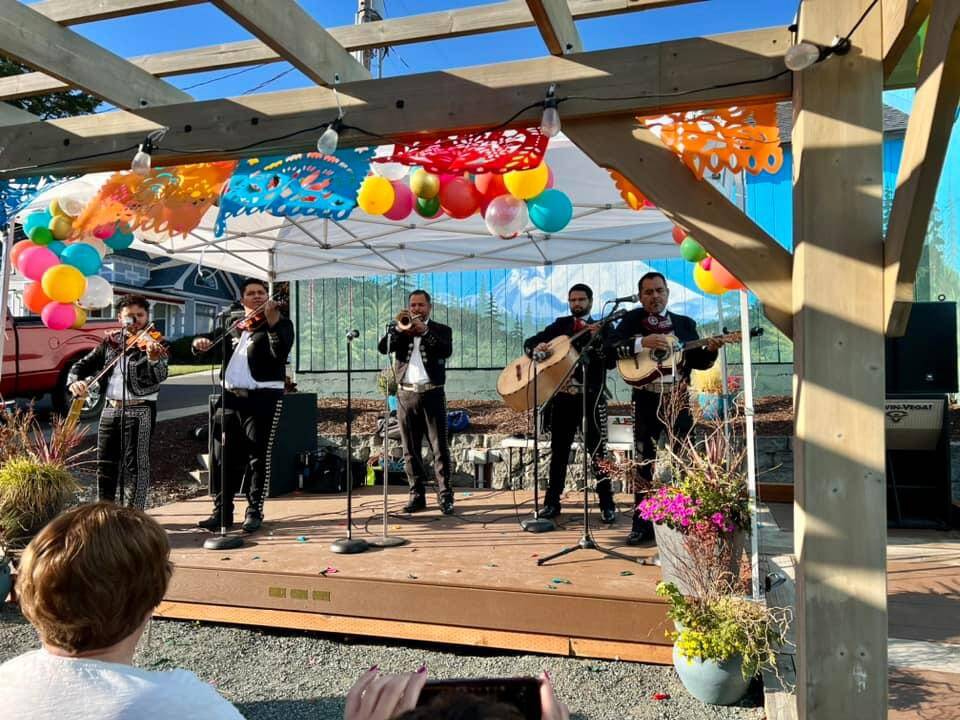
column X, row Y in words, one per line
column 702, row 517
column 387, row 385
column 708, row 384
column 722, row 641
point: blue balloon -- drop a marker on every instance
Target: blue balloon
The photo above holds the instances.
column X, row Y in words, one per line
column 551, row 210
column 41, row 218
column 120, row 240
column 83, row 257
column 58, row 246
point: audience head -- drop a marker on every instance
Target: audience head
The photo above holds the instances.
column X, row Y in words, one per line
column 92, row 576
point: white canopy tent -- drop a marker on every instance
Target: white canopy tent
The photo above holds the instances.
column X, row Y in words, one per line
column 603, row 229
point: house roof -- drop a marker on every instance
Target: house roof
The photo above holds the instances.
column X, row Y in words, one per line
column 894, row 120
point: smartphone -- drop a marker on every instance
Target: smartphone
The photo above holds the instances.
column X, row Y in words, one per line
column 522, row 693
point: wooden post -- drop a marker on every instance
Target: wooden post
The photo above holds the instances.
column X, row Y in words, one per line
column 840, row 495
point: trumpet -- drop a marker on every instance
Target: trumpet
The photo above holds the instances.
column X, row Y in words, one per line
column 405, row 320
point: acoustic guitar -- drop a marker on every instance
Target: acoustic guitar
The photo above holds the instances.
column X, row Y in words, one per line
column 650, row 365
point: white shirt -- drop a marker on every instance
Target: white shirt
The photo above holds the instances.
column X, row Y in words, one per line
column 115, row 384
column 238, row 375
column 40, row 686
column 416, row 373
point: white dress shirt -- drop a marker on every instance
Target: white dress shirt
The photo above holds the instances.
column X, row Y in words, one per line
column 238, row 375
column 115, row 383
column 416, row 373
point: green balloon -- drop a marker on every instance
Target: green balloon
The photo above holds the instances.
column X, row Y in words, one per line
column 428, row 207
column 691, row 250
column 41, row 235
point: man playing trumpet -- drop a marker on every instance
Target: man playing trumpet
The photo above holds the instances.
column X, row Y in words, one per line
column 421, row 347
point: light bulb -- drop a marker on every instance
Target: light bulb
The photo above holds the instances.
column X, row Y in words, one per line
column 801, row 56
column 141, row 162
column 550, row 121
column 327, row 144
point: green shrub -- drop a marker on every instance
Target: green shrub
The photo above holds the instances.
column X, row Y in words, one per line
column 32, row 493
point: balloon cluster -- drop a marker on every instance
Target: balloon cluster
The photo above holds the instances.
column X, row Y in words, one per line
column 507, row 202
column 709, row 275
column 64, row 268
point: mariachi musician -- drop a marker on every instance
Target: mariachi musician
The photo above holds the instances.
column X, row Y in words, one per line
column 132, row 386
column 421, row 347
column 253, row 386
column 564, row 411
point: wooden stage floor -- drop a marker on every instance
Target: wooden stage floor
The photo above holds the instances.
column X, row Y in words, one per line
column 469, row 579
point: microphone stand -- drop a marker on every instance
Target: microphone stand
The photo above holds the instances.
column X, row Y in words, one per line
column 350, row 545
column 123, row 412
column 223, row 541
column 386, row 540
column 587, row 541
column 536, row 524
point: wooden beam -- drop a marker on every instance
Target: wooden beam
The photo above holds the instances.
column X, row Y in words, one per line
column 395, row 31
column 293, row 34
column 556, row 26
column 840, row 484
column 650, row 78
column 31, row 38
column 72, row 12
column 901, row 22
column 740, row 245
column 12, row 115
column 924, row 150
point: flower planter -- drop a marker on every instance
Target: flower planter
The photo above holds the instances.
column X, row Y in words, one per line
column 392, row 402
column 676, row 563
column 709, row 681
column 713, row 405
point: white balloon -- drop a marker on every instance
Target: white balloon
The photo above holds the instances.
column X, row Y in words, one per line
column 71, row 205
column 506, row 216
column 97, row 244
column 390, row 171
column 99, row 293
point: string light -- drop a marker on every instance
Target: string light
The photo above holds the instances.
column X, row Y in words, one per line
column 550, row 119
column 805, row 54
column 329, row 139
column 142, row 159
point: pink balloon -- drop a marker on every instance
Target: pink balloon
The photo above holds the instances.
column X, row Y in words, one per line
column 35, row 261
column 402, row 203
column 58, row 316
column 706, row 263
column 105, row 231
column 549, row 177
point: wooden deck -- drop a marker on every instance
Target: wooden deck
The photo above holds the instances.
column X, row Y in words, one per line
column 470, row 579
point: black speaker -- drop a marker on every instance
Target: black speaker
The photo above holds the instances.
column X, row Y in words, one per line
column 924, row 360
column 296, row 433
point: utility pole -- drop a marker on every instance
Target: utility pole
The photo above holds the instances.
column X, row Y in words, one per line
column 370, row 11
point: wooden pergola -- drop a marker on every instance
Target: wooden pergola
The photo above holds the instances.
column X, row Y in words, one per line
column 844, row 287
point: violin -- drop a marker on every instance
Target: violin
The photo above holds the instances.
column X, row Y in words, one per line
column 141, row 340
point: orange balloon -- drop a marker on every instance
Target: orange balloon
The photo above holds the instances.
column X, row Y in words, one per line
column 35, row 298
column 725, row 277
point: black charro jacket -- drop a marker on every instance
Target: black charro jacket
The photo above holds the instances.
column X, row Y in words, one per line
column 269, row 348
column 143, row 377
column 436, row 345
column 602, row 356
column 684, row 328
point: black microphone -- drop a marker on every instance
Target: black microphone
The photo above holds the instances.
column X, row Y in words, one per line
column 353, row 335
column 128, row 321
column 540, row 355
column 627, row 298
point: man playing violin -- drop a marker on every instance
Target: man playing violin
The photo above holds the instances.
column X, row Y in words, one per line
column 647, row 328
column 256, row 357
column 421, row 353
column 564, row 412
column 126, row 424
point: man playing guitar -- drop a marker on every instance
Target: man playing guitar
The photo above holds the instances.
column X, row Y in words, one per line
column 648, row 328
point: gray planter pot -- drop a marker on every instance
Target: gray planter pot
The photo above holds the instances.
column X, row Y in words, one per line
column 6, row 579
column 679, row 568
column 709, row 681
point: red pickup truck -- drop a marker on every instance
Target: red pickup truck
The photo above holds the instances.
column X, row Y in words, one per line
column 36, row 361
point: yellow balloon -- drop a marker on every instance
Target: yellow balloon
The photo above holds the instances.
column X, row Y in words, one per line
column 526, row 184
column 704, row 280
column 376, row 195
column 424, row 184
column 55, row 208
column 61, row 226
column 63, row 283
column 81, row 318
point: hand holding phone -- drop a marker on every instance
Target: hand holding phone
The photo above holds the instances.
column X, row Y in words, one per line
column 533, row 698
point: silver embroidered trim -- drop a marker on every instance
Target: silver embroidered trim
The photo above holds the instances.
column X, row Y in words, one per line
column 268, row 459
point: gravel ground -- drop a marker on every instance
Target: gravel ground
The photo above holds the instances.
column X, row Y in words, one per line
column 270, row 674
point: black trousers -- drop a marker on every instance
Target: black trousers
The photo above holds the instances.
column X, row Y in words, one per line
column 251, row 426
column 648, row 426
column 566, row 413
column 424, row 415
column 134, row 437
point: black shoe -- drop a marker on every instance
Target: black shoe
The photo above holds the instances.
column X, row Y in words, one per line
column 634, row 538
column 252, row 522
column 549, row 511
column 415, row 504
column 446, row 505
column 608, row 514
column 213, row 522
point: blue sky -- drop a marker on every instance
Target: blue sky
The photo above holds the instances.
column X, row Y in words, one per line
column 203, row 24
